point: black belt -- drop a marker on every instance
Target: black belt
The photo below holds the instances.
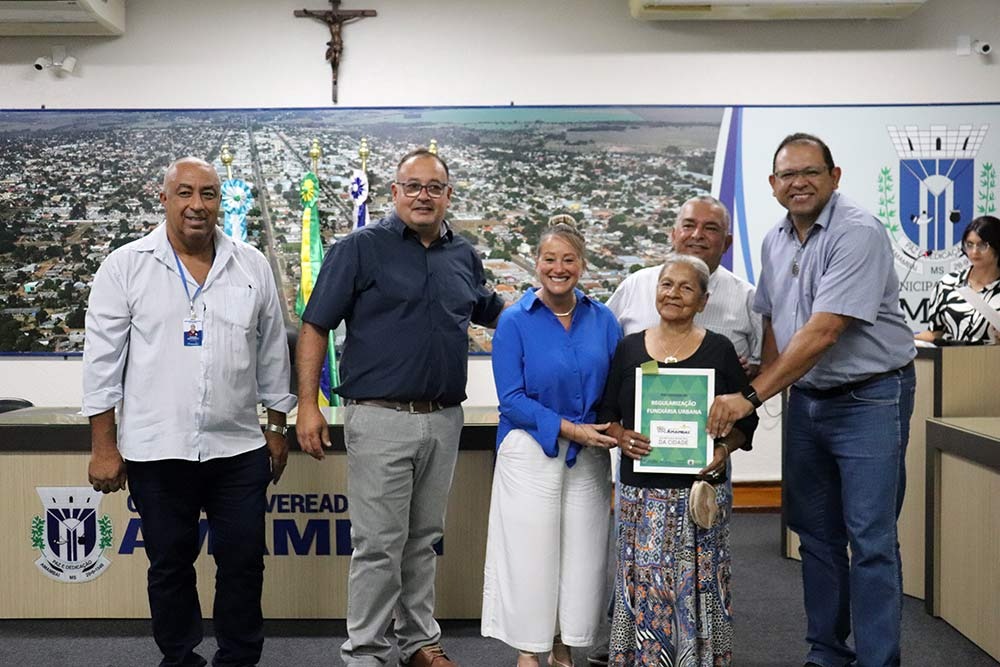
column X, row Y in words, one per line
column 843, row 389
column 413, row 407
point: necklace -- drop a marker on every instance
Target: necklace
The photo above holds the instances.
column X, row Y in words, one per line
column 670, row 358
column 568, row 312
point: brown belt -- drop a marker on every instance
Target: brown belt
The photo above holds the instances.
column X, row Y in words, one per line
column 413, row 407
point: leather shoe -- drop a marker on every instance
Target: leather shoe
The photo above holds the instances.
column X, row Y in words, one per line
column 431, row 655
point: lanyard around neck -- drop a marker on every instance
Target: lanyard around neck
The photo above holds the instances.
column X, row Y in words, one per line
column 180, row 270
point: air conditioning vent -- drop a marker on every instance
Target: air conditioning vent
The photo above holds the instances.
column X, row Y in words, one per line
column 27, row 18
column 770, row 10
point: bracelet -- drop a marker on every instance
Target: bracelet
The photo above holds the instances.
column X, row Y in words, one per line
column 280, row 429
column 751, row 395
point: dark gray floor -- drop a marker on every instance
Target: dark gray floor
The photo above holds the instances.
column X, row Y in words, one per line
column 767, row 604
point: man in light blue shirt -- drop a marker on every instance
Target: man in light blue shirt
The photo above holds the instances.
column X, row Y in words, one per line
column 185, row 336
column 834, row 332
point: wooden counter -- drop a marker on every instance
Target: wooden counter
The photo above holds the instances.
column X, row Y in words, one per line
column 951, row 382
column 963, row 527
column 308, row 528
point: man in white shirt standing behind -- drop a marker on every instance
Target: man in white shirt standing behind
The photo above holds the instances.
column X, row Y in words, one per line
column 185, row 336
column 702, row 229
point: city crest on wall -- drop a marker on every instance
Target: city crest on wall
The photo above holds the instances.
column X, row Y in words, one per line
column 71, row 536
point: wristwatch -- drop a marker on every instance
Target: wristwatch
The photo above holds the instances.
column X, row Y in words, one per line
column 280, row 429
column 751, row 395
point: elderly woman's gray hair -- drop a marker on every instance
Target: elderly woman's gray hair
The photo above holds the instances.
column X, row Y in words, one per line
column 696, row 263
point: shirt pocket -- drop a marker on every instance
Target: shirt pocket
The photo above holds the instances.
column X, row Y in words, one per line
column 237, row 327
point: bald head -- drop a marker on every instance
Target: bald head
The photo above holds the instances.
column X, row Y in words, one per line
column 171, row 174
column 191, row 197
column 723, row 212
column 702, row 230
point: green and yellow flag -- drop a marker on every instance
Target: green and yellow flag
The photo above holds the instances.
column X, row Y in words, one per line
column 310, row 261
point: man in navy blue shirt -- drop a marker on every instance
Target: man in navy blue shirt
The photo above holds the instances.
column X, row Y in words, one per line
column 407, row 287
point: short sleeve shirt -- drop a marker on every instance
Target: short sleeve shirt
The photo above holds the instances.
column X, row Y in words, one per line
column 844, row 267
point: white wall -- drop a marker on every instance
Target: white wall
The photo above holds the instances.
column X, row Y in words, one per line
column 254, row 53
column 239, row 53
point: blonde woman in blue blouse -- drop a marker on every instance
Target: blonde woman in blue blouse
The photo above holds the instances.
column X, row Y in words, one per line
column 547, row 544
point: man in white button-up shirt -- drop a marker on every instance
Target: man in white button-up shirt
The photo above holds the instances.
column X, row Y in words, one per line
column 702, row 230
column 185, row 336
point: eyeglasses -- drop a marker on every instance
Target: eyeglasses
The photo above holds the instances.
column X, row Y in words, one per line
column 809, row 173
column 982, row 246
column 413, row 188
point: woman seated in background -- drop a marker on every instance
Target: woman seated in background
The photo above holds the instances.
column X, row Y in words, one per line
column 951, row 316
column 547, row 543
column 672, row 598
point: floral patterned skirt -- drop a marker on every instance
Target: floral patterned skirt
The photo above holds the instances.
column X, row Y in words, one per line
column 672, row 595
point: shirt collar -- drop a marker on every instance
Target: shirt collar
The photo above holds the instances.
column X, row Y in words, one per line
column 823, row 220
column 157, row 243
column 530, row 300
column 398, row 226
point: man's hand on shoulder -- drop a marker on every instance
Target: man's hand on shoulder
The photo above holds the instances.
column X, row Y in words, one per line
column 312, row 431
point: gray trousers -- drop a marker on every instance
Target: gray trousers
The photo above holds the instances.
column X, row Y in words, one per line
column 399, row 469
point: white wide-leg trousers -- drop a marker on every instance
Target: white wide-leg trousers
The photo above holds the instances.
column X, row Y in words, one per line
column 546, row 552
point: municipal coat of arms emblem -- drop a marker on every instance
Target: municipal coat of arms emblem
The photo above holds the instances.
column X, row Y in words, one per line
column 71, row 536
column 937, row 189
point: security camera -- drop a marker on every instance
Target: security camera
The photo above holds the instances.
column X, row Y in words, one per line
column 42, row 62
column 982, row 48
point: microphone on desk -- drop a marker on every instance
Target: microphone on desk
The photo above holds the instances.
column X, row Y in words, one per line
column 913, row 264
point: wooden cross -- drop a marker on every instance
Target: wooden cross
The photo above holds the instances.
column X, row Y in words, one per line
column 335, row 18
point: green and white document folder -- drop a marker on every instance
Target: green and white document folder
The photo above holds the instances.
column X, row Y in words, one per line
column 671, row 409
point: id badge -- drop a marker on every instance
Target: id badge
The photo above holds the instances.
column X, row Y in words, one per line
column 192, row 332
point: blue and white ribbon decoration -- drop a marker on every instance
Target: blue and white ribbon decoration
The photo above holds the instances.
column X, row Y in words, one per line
column 236, row 201
column 359, row 194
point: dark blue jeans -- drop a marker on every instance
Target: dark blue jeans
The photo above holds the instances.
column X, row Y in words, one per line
column 170, row 496
column 845, row 478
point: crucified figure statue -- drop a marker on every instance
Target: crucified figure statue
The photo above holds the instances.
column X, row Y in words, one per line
column 335, row 18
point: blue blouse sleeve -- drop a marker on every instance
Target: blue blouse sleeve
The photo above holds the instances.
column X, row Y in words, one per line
column 508, row 373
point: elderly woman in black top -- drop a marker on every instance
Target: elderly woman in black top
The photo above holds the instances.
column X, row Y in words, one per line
column 672, row 598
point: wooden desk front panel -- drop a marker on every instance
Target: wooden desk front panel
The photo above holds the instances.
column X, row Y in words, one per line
column 951, row 382
column 910, row 526
column 968, row 587
column 305, row 585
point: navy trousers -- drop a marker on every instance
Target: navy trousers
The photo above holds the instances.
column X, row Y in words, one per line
column 170, row 496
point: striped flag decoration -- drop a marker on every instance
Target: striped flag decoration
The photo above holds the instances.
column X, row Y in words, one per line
column 310, row 261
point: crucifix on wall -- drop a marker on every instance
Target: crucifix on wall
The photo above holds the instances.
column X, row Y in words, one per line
column 335, row 18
